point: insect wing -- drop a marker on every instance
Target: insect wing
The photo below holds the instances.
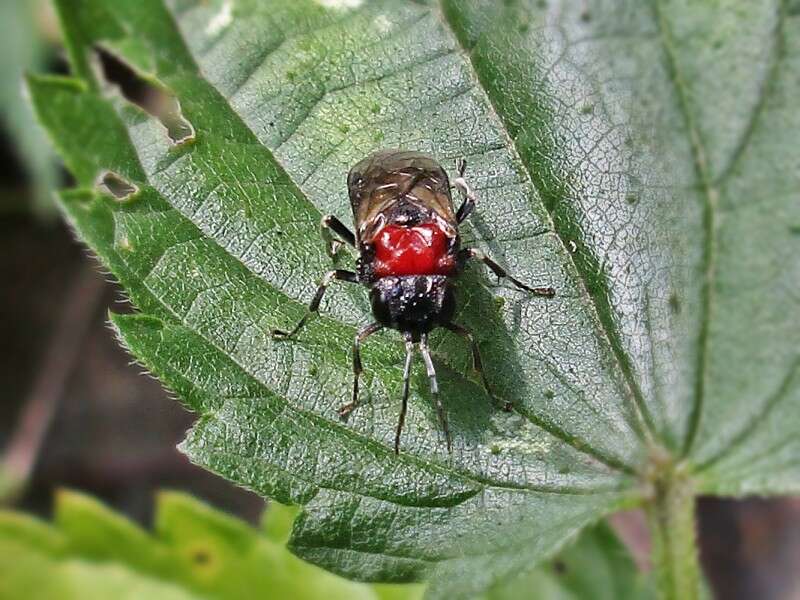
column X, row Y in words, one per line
column 380, row 180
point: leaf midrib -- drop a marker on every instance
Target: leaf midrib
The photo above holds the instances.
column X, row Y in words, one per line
column 349, row 432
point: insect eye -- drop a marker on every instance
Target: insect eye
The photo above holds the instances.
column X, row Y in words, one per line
column 356, row 182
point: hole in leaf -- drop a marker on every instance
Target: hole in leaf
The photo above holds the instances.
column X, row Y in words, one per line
column 147, row 95
column 560, row 567
column 121, row 189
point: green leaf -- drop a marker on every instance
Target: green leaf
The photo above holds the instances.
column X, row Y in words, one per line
column 277, row 522
column 32, row 575
column 194, row 552
column 23, row 46
column 637, row 156
column 597, row 566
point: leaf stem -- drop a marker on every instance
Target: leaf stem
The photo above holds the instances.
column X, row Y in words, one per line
column 671, row 516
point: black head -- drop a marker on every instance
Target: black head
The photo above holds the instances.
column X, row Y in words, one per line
column 413, row 303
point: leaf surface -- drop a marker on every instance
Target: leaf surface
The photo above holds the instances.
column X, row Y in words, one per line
column 667, row 226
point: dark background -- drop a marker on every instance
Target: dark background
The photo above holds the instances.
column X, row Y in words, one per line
column 108, row 430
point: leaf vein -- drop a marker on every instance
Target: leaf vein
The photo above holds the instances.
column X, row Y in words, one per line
column 710, row 195
column 607, row 326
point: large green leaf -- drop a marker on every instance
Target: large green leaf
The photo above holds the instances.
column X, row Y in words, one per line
column 635, row 155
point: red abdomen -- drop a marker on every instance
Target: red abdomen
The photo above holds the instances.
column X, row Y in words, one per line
column 419, row 250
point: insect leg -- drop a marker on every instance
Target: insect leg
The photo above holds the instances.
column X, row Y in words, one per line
column 468, row 204
column 477, row 363
column 338, row 274
column 330, row 224
column 358, row 368
column 404, row 406
column 426, row 357
column 468, row 253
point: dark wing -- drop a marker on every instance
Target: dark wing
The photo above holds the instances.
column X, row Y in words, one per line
column 378, row 181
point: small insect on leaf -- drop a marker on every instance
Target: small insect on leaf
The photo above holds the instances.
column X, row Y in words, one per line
column 409, row 255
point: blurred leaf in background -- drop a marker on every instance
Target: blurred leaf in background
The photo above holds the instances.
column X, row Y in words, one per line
column 195, row 551
column 28, row 32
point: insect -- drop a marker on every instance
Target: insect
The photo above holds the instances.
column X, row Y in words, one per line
column 409, row 254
